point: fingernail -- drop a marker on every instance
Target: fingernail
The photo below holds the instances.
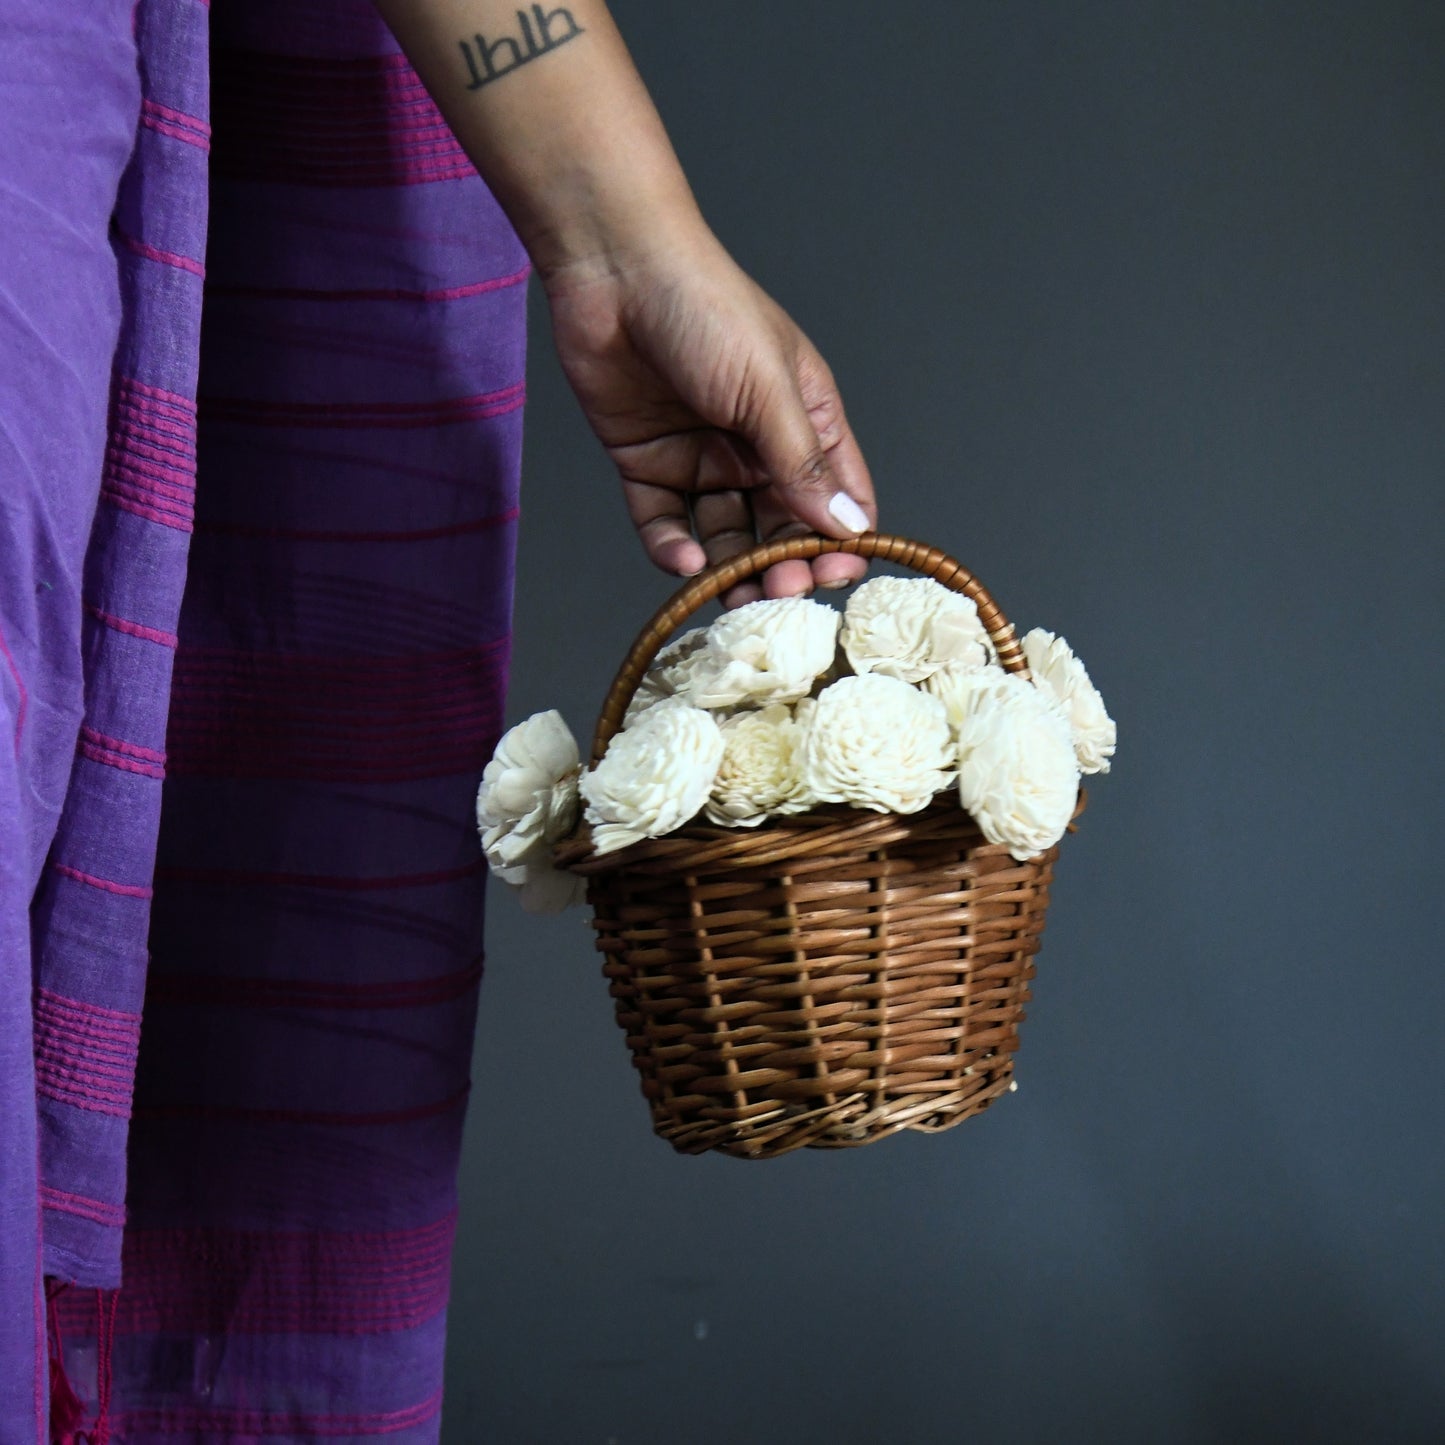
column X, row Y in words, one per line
column 834, row 584
column 848, row 512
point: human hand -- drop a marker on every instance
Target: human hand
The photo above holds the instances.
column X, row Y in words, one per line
column 720, row 415
column 723, row 420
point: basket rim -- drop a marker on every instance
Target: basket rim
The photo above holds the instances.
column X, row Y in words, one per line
column 831, row 826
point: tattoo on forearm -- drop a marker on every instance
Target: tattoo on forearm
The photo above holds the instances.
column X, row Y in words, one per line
column 541, row 31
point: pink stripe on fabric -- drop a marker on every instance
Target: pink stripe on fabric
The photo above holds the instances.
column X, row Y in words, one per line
column 108, row 885
column 20, row 686
column 98, row 1211
column 402, row 1258
column 109, row 1050
column 178, row 117
column 93, row 1014
column 109, row 1080
column 402, row 170
column 119, row 745
column 378, row 293
column 205, row 1280
column 150, row 466
column 147, row 513
column 127, row 386
column 235, row 1423
column 76, row 1061
column 205, row 989
column 112, row 758
column 329, row 123
column 142, row 481
column 155, row 467
column 60, row 1092
column 124, row 482
column 84, row 1054
column 252, row 661
column 447, row 410
column 154, row 253
column 106, row 1042
column 167, row 442
column 303, row 534
column 133, row 629
column 281, row 722
column 259, row 764
column 167, row 412
column 125, row 765
column 290, row 733
column 176, row 124
column 350, row 718
column 175, row 132
column 331, row 1118
column 356, row 716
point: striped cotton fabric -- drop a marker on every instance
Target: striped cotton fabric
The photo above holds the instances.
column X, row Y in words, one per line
column 240, row 892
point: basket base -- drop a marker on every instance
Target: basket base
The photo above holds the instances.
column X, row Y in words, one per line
column 848, row 1124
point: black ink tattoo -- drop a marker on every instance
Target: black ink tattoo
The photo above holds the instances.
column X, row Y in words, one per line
column 541, row 31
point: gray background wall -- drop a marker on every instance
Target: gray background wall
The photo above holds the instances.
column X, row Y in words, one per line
column 1137, row 309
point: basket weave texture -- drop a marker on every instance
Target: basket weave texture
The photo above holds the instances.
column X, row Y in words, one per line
column 823, row 980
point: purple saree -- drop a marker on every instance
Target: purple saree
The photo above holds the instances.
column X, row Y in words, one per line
column 231, row 1166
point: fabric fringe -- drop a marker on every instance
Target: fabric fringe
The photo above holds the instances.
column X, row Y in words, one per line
column 67, row 1412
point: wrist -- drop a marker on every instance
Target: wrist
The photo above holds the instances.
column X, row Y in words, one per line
column 591, row 237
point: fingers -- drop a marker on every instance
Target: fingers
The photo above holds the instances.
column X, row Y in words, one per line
column 774, row 522
column 657, row 477
column 825, row 410
column 664, row 527
column 802, row 437
column 838, row 569
column 724, row 524
column 792, row 466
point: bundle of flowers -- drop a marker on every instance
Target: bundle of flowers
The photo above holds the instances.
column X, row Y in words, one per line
column 783, row 705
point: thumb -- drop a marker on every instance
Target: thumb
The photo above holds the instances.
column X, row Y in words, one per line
column 797, row 463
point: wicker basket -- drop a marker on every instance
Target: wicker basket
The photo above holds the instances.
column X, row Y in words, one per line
column 823, row 980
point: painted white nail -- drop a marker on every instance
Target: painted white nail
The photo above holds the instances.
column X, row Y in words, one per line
column 848, row 512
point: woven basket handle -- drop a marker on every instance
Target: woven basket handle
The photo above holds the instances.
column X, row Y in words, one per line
column 709, row 585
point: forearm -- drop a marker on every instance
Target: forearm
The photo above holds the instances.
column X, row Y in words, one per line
column 546, row 102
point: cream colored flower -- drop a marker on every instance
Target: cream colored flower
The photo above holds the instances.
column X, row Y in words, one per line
column 654, row 777
column 1017, row 774
column 877, row 743
column 1056, row 668
column 909, row 627
column 954, row 687
column 528, row 796
column 762, row 652
column 670, row 675
column 527, row 801
column 760, row 773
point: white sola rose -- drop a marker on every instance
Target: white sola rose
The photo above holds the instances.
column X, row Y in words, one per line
column 670, row 675
column 909, row 627
column 655, row 775
column 760, row 773
column 527, row 801
column 954, row 687
column 1059, row 671
column 1016, row 770
column 762, row 652
column 877, row 743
